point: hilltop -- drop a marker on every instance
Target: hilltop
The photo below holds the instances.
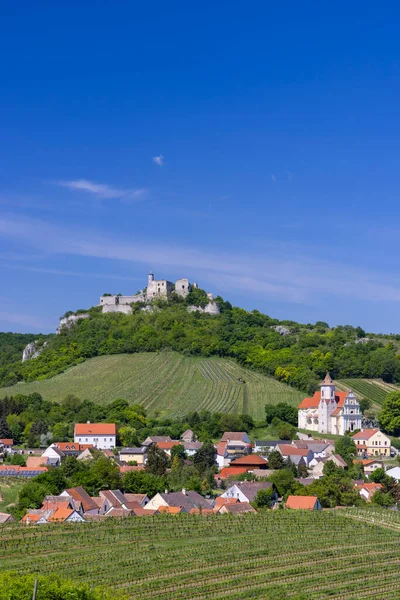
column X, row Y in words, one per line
column 294, row 354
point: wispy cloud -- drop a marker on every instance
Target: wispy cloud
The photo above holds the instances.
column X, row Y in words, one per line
column 271, row 273
column 103, row 190
column 159, row 160
column 16, row 318
column 273, row 177
column 65, row 273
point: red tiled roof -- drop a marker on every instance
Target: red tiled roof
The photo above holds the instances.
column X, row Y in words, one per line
column 95, row 429
column 233, row 436
column 72, row 446
column 36, row 461
column 221, row 446
column 60, row 515
column 301, row 502
column 7, row 441
column 250, row 459
column 167, row 445
column 171, row 509
column 366, row 434
column 288, row 450
column 315, row 400
column 222, row 501
column 32, row 518
column 370, row 486
column 228, row 472
column 80, row 495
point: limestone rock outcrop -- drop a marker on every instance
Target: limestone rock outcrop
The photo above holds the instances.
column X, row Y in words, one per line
column 68, row 322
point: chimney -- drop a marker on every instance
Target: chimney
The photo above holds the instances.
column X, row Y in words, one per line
column 183, row 491
column 166, row 492
column 87, row 422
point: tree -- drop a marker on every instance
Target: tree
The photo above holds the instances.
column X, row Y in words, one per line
column 140, row 482
column 389, row 416
column 157, row 461
column 20, row 587
column 382, row 498
column 346, row 448
column 205, row 457
column 128, row 436
column 5, row 431
column 265, row 498
column 275, row 460
column 178, row 451
column 282, row 411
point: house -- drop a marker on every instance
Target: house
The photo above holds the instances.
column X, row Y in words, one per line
column 220, row 501
column 138, row 455
column 303, row 503
column 120, row 513
column 230, row 450
column 371, row 442
column 395, row 473
column 100, row 435
column 236, row 436
column 188, row 436
column 192, row 447
column 186, row 499
column 318, row 465
column 367, row 490
column 37, row 461
column 246, row 491
column 65, row 515
column 17, row 471
column 85, row 455
column 172, row 510
column 236, row 509
column 71, row 448
column 370, row 465
column 141, row 499
column 54, row 455
column 295, row 454
column 227, row 473
column 167, row 446
column 154, row 439
column 6, row 443
column 251, row 461
column 34, row 517
column 264, row 447
column 81, row 501
column 6, row 518
column 330, row 411
column 320, row 449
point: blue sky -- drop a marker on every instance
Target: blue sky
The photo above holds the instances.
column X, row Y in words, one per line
column 253, row 148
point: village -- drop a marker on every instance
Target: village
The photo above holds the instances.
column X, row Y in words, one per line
column 244, row 470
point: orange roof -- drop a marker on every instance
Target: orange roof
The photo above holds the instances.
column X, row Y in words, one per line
column 7, row 441
column 198, row 511
column 142, row 512
column 230, row 472
column 250, row 459
column 222, row 501
column 170, row 509
column 288, row 449
column 95, row 429
column 301, row 502
column 370, row 486
column 315, row 400
column 36, row 461
column 364, row 434
column 72, row 446
column 61, row 515
column 366, row 461
column 29, row 517
column 54, row 504
column 129, row 468
column 19, row 469
column 221, row 446
column 167, row 445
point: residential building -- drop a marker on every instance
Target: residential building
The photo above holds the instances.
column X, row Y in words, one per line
column 251, row 461
column 367, row 490
column 371, row 442
column 395, row 473
column 236, row 509
column 154, row 439
column 138, row 455
column 6, row 518
column 264, row 447
column 370, row 465
column 320, row 449
column 188, row 436
column 185, row 499
column 37, row 461
column 192, row 447
column 330, row 411
column 100, row 435
column 6, row 443
column 71, row 448
column 236, row 436
column 303, row 503
column 317, row 465
column 81, row 501
column 295, row 454
column 246, row 491
column 54, row 455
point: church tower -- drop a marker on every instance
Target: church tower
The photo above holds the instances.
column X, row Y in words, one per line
column 351, row 413
column 327, row 405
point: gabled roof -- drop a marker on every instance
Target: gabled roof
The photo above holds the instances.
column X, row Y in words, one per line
column 249, row 460
column 250, row 488
column 173, row 510
column 316, row 398
column 140, row 498
column 168, row 445
column 192, row 445
column 5, row 518
column 7, row 441
column 72, row 446
column 188, row 500
column 221, row 448
column 289, row 450
column 80, row 495
column 154, row 439
column 118, row 512
column 364, row 434
column 239, row 508
column 395, row 472
column 30, row 518
column 301, row 502
column 36, row 461
column 219, row 501
column 233, row 436
column 60, row 515
column 231, row 472
column 114, row 497
column 95, row 429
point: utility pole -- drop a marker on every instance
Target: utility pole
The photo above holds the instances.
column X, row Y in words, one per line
column 35, row 590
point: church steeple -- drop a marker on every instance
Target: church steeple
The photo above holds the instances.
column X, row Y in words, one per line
column 327, row 380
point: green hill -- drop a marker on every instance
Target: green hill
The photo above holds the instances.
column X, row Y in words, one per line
column 166, row 382
column 374, row 390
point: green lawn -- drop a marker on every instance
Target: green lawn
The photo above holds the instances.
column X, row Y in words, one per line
column 166, row 382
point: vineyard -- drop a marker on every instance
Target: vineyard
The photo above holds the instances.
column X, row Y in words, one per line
column 374, row 390
column 166, row 382
column 344, row 555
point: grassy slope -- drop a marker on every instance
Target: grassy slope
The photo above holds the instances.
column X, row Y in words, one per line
column 9, row 491
column 216, row 557
column 374, row 390
column 166, row 382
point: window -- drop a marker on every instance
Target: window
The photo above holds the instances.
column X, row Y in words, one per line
column 86, row 439
column 80, row 439
column 110, row 439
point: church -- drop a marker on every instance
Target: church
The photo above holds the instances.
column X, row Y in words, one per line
column 330, row 411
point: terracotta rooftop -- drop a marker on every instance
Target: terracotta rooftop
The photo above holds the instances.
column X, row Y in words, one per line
column 364, row 434
column 301, row 502
column 95, row 429
column 250, row 459
column 315, row 400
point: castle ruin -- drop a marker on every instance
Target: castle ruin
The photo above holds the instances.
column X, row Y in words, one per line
column 156, row 289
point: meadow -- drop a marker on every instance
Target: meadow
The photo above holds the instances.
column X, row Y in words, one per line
column 166, row 383
column 346, row 554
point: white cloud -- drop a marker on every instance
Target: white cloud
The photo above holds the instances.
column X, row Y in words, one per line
column 103, row 190
column 159, row 160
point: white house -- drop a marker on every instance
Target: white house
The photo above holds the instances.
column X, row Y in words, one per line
column 246, row 491
column 54, row 455
column 330, row 411
column 395, row 473
column 100, row 435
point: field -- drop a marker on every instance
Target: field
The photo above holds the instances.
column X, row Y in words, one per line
column 374, row 390
column 9, row 490
column 167, row 383
column 342, row 555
